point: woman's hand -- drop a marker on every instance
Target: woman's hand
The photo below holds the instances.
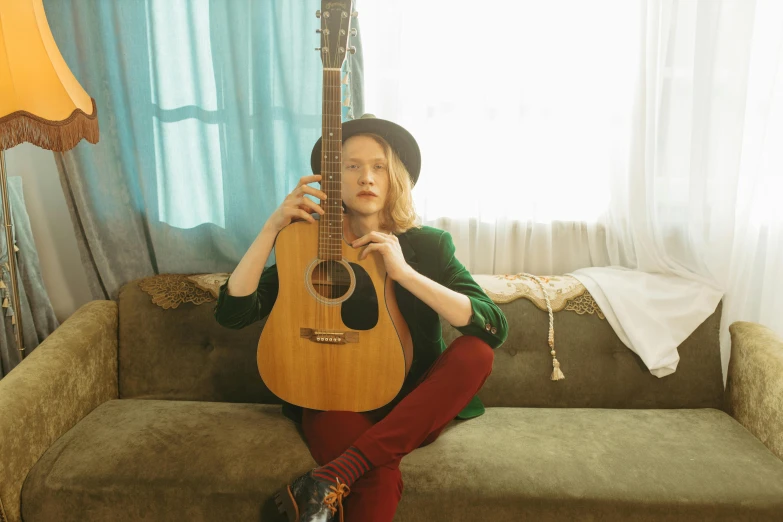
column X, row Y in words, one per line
column 389, row 247
column 296, row 206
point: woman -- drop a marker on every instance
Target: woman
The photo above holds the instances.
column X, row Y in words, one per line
column 360, row 453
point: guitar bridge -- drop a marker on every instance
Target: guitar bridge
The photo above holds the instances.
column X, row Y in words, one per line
column 329, row 337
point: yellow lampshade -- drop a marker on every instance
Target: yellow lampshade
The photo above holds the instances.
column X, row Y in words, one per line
column 40, row 100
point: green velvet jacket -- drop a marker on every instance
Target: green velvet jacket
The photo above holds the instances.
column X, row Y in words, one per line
column 430, row 252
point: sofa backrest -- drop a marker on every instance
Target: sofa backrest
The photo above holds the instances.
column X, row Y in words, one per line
column 183, row 354
column 600, row 371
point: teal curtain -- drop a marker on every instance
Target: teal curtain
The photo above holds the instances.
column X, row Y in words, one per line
column 208, row 111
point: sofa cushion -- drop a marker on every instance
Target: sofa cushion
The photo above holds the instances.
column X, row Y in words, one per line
column 166, row 460
column 176, row 460
column 594, row 464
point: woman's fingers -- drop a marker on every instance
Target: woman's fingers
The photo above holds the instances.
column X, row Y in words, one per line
column 306, row 189
column 369, row 248
column 299, row 207
column 374, row 237
column 304, row 180
column 308, row 203
column 303, row 214
column 303, row 188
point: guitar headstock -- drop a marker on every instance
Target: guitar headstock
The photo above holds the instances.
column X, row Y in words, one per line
column 335, row 31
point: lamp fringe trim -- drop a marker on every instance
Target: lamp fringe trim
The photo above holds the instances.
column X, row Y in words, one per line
column 59, row 136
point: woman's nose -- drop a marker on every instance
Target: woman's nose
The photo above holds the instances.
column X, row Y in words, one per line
column 366, row 177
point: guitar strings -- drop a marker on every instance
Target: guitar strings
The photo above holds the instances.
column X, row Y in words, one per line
column 330, row 238
column 333, row 96
column 338, row 240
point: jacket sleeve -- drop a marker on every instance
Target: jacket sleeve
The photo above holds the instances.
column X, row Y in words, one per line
column 487, row 321
column 239, row 311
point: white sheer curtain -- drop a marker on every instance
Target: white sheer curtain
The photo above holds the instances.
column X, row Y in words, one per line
column 565, row 134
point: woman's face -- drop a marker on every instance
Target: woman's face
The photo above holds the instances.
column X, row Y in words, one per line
column 365, row 175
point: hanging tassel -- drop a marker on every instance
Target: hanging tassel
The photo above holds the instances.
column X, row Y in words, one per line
column 13, row 319
column 16, row 248
column 347, row 102
column 2, row 284
column 6, row 303
column 345, row 79
column 557, row 375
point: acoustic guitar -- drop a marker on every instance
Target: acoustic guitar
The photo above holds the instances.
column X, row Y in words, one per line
column 335, row 338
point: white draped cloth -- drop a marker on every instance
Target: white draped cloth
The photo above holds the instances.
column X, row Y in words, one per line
column 651, row 313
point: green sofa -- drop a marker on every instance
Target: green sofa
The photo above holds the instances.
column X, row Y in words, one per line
column 130, row 411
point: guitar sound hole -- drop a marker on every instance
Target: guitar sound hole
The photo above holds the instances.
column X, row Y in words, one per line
column 331, row 279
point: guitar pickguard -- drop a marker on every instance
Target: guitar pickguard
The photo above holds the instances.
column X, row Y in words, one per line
column 360, row 310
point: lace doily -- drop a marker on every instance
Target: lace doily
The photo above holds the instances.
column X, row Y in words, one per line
column 171, row 290
column 209, row 282
column 565, row 292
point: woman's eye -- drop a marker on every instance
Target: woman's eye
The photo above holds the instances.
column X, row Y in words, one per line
column 380, row 167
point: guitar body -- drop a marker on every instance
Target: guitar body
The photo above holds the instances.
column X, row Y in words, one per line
column 335, row 339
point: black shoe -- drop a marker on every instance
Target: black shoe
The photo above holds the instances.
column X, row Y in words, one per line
column 309, row 499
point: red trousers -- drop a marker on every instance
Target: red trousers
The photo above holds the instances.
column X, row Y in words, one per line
column 417, row 420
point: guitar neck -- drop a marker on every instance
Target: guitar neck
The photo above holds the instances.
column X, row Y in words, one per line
column 331, row 224
column 335, row 31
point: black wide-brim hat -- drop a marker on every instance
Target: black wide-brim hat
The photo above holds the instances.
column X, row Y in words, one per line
column 400, row 140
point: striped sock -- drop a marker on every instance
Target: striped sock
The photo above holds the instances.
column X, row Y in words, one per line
column 348, row 467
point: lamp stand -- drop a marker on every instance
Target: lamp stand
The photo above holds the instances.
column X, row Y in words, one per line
column 9, row 241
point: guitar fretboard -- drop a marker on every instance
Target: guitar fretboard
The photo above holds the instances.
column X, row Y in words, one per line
column 331, row 223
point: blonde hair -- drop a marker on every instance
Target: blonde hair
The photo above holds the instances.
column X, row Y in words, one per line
column 398, row 214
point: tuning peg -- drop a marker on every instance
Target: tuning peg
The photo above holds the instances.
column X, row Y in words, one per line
column 353, row 32
column 318, row 14
column 355, row 14
column 325, row 31
column 352, row 50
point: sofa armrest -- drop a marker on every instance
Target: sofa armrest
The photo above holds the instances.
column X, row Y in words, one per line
column 68, row 375
column 754, row 388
